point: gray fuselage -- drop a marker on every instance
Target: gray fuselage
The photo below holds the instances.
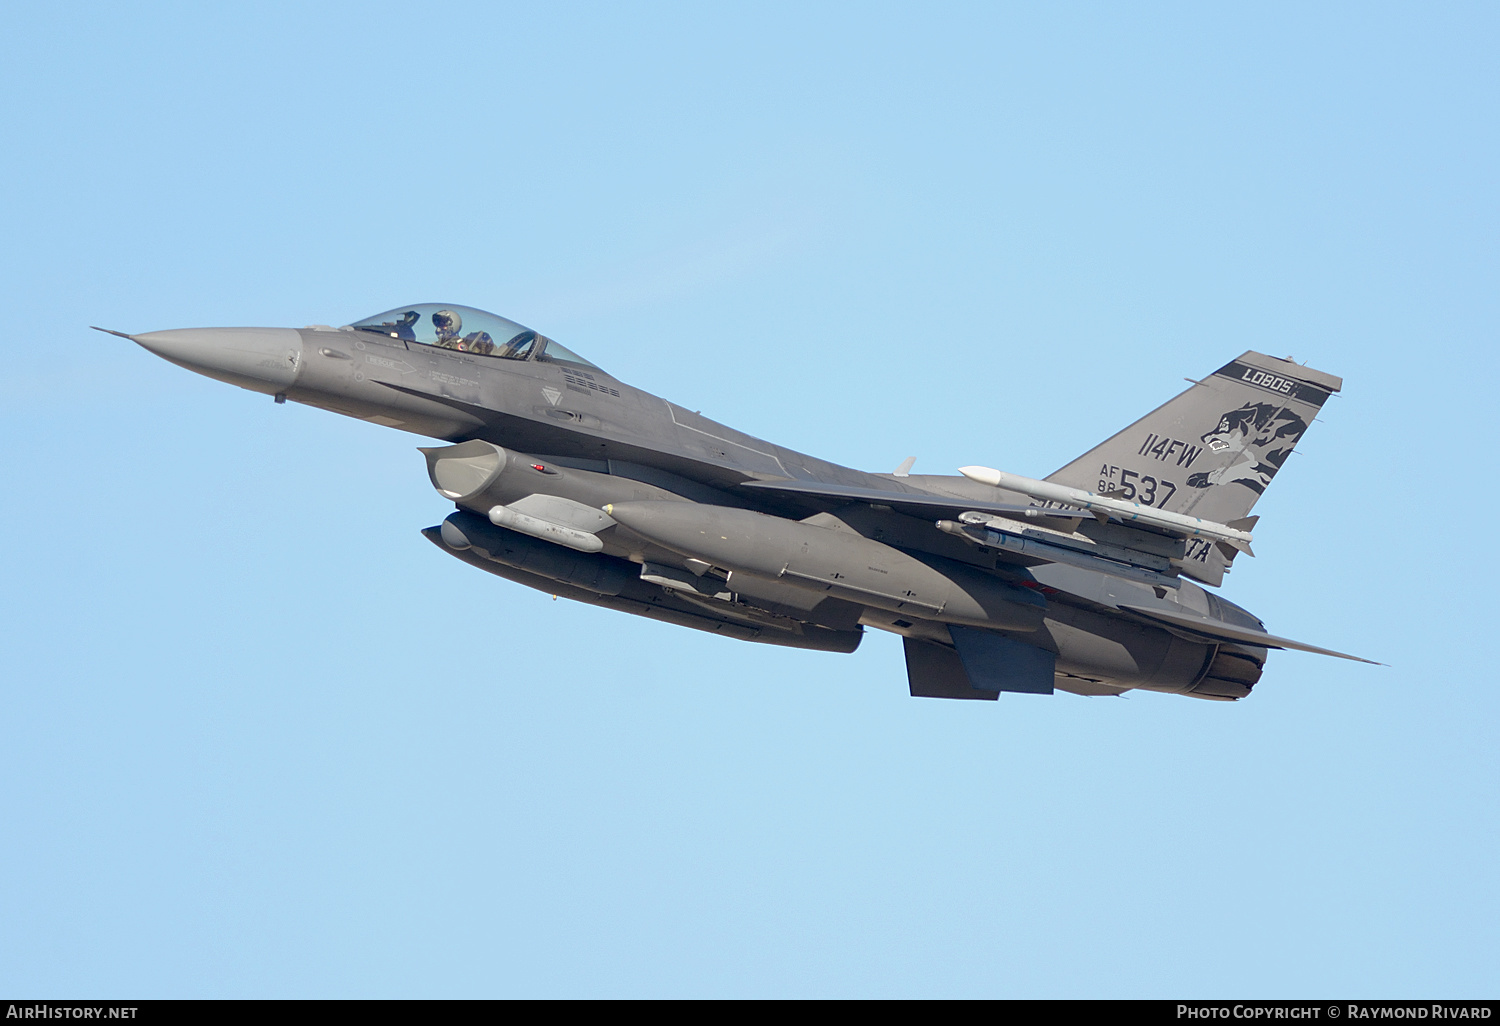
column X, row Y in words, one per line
column 588, row 436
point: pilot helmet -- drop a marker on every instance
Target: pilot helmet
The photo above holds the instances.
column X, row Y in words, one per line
column 447, row 323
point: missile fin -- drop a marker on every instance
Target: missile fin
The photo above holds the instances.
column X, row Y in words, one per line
column 1231, row 547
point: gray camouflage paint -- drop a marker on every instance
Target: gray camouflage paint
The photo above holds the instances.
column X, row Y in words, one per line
column 703, row 537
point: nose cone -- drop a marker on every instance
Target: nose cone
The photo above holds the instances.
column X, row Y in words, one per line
column 260, row 359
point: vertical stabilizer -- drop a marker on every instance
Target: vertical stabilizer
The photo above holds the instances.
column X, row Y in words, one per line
column 1212, row 451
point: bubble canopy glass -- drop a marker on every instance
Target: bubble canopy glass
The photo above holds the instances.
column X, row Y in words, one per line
column 448, row 326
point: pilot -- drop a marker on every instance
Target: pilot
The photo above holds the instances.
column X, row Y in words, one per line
column 448, row 324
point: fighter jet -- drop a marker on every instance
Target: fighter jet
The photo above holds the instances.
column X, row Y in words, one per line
column 570, row 481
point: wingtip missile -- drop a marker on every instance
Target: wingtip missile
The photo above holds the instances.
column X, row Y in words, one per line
column 984, row 475
column 1106, row 506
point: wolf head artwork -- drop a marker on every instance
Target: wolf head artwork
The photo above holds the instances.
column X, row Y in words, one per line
column 1262, row 435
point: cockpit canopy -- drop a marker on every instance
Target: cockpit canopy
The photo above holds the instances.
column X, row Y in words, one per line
column 467, row 330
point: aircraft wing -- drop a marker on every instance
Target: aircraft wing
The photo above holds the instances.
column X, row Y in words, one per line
column 922, row 504
column 1218, row 630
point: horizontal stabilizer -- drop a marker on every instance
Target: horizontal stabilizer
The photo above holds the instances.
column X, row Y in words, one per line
column 1218, row 630
column 918, row 503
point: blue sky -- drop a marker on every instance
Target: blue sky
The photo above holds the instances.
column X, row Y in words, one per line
column 261, row 739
